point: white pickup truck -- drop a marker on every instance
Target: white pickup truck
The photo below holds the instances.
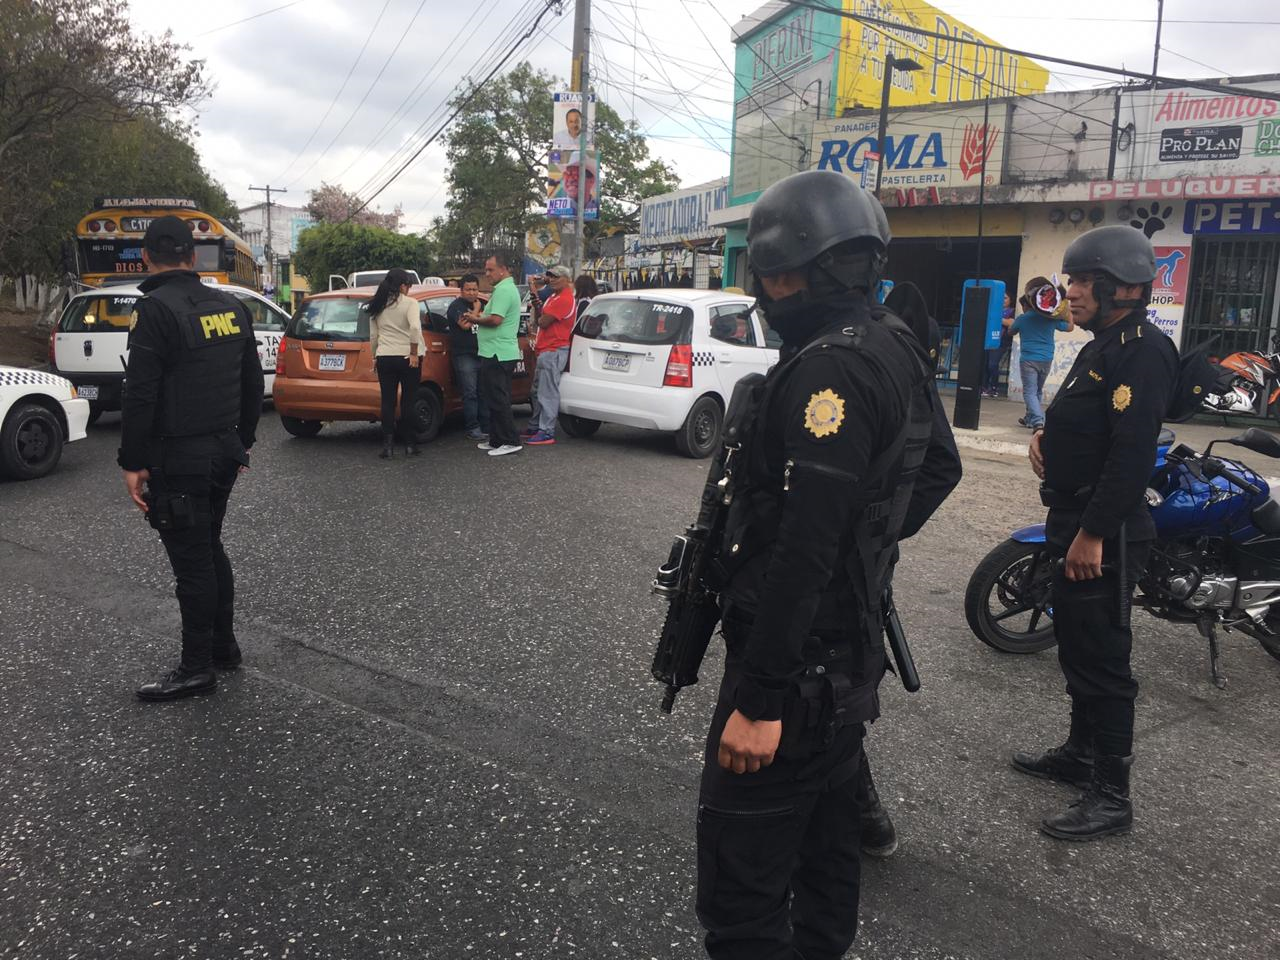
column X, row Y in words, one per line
column 90, row 343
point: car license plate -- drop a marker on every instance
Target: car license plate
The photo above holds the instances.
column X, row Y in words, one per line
column 88, row 392
column 333, row 361
column 617, row 361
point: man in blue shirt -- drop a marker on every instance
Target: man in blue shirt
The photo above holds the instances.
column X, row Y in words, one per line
column 1042, row 303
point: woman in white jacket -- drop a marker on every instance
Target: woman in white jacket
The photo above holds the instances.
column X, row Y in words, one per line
column 395, row 337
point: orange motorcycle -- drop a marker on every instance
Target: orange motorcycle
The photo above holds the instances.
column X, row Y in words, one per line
column 1249, row 383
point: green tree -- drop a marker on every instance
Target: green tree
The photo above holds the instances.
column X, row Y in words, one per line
column 70, row 71
column 342, row 248
column 497, row 152
column 139, row 157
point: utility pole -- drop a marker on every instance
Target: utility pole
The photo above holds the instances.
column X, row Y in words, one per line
column 1155, row 62
column 581, row 74
column 267, row 252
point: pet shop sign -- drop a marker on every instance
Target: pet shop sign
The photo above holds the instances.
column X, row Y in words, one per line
column 921, row 149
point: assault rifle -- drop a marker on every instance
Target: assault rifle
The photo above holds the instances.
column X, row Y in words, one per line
column 694, row 607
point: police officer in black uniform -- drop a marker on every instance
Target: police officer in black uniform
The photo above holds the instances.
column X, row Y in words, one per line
column 193, row 398
column 1095, row 455
column 839, row 430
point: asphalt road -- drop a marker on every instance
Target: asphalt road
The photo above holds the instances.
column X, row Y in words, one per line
column 444, row 742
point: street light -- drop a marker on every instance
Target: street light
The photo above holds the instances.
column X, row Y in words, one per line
column 891, row 63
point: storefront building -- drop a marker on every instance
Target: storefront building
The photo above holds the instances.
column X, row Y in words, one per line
column 677, row 244
column 1197, row 170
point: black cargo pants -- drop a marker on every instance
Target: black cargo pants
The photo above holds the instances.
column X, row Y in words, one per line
column 205, row 583
column 779, row 850
column 1094, row 645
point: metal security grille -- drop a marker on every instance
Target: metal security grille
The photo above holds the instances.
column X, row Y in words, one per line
column 1232, row 294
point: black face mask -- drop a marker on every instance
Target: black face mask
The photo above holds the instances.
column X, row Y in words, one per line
column 799, row 317
column 794, row 318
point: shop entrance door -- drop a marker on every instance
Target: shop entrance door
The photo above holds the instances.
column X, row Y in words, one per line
column 1232, row 294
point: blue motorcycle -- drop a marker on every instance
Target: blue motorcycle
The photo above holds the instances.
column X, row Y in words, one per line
column 1216, row 562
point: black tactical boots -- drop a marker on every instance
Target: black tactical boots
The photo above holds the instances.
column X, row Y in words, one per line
column 1102, row 810
column 1071, row 763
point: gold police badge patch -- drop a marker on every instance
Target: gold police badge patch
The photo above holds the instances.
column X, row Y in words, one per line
column 133, row 319
column 1122, row 397
column 824, row 414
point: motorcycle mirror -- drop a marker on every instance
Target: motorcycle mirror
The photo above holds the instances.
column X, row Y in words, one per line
column 1259, row 441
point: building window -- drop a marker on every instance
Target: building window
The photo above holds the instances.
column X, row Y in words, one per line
column 1232, row 294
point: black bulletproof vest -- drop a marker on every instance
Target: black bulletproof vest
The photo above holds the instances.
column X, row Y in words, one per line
column 883, row 499
column 201, row 391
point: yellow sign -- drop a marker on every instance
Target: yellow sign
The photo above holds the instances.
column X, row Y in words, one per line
column 952, row 70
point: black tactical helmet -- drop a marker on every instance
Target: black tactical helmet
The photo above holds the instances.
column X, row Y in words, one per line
column 1123, row 252
column 806, row 214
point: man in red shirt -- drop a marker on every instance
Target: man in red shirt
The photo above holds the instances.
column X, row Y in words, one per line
column 555, row 320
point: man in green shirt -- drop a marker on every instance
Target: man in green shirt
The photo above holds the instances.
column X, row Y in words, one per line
column 498, row 345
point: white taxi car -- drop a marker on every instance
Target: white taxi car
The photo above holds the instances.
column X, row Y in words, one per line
column 89, row 343
column 39, row 412
column 663, row 360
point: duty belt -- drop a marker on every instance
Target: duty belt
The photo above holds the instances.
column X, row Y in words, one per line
column 1061, row 500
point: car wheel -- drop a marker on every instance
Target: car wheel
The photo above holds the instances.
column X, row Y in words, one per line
column 428, row 415
column 30, row 442
column 95, row 411
column 698, row 437
column 578, row 427
column 300, row 428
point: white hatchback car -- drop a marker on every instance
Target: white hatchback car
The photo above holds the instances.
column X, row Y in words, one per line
column 89, row 344
column 39, row 412
column 663, row 360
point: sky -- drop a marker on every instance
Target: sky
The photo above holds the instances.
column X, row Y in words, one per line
column 318, row 90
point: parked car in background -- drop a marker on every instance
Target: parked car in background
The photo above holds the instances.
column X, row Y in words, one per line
column 663, row 360
column 325, row 370
column 371, row 278
column 89, row 344
column 39, row 412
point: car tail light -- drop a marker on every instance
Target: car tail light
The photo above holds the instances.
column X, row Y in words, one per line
column 679, row 366
column 53, row 358
column 93, row 226
column 109, row 226
column 284, row 343
column 202, row 226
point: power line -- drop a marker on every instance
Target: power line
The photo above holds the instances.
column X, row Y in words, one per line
column 437, row 66
column 334, row 101
column 381, row 70
column 1100, row 68
column 236, row 23
column 475, row 90
column 411, row 142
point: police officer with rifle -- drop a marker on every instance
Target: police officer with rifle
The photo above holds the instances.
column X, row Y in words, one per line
column 193, row 398
column 791, row 554
column 1095, row 455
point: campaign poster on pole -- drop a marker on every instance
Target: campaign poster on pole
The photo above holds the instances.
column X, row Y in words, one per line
column 568, row 120
column 563, row 175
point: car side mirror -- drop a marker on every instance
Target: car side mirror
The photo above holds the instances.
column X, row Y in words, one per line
column 1259, row 441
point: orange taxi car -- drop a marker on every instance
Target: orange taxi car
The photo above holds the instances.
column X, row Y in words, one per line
column 325, row 372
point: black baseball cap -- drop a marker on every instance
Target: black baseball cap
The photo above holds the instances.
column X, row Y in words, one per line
column 169, row 237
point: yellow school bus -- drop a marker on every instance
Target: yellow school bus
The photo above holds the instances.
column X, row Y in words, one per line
column 108, row 245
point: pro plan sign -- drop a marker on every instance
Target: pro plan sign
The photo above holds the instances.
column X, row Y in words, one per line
column 1200, row 143
column 940, row 149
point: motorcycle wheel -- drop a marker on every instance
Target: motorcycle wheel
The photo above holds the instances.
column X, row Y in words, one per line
column 1008, row 602
column 1271, row 645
